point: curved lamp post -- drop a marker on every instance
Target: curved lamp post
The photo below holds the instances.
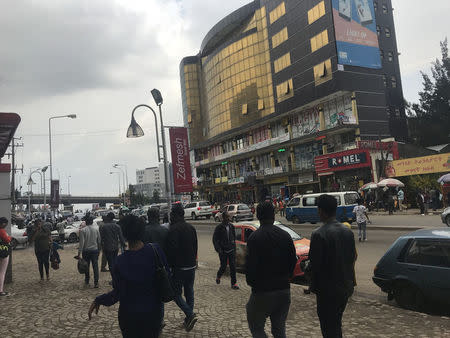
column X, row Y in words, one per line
column 117, row 172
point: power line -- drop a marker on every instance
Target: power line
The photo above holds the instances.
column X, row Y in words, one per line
column 85, row 133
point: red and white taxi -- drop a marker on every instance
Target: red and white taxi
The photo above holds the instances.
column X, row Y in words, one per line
column 245, row 229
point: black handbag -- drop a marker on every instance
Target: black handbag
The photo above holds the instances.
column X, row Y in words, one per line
column 5, row 249
column 162, row 279
column 82, row 266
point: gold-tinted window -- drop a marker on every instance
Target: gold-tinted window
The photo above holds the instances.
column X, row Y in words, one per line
column 260, row 104
column 322, row 72
column 319, row 41
column 278, row 12
column 285, row 90
column 280, row 37
column 282, row 62
column 244, row 109
column 316, row 12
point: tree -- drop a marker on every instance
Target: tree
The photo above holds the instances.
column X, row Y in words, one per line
column 137, row 199
column 156, row 198
column 429, row 120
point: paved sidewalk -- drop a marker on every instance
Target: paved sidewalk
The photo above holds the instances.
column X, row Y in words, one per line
column 58, row 308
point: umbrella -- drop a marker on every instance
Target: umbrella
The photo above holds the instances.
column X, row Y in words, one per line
column 369, row 186
column 444, row 179
column 390, row 182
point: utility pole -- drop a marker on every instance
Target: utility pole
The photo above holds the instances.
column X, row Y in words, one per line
column 13, row 170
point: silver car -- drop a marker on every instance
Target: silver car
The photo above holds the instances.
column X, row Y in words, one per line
column 19, row 236
column 446, row 216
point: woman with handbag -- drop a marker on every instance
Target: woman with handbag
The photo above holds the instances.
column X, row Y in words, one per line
column 42, row 243
column 136, row 284
column 5, row 250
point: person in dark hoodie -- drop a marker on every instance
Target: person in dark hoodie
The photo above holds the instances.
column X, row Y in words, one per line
column 134, row 284
column 154, row 232
column 224, row 241
column 270, row 263
column 182, row 249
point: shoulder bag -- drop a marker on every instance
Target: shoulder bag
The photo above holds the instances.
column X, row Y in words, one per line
column 162, row 279
column 5, row 249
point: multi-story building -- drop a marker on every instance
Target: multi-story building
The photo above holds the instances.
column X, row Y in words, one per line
column 283, row 91
column 149, row 180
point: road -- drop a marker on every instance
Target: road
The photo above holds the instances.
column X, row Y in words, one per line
column 369, row 252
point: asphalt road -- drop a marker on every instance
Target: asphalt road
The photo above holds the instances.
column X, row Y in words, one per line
column 369, row 252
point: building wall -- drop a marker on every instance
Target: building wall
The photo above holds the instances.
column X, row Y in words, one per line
column 149, row 179
column 5, row 205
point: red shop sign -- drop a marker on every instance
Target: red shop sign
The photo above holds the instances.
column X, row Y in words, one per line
column 181, row 164
column 345, row 160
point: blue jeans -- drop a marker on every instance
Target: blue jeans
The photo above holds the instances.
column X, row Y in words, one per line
column 362, row 230
column 184, row 279
column 91, row 257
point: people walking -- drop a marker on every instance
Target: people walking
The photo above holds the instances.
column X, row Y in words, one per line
column 134, row 284
column 90, row 243
column 42, row 243
column 4, row 239
column 154, row 231
column 270, row 263
column 182, row 249
column 361, row 219
column 421, row 202
column 111, row 239
column 224, row 241
column 401, row 198
column 281, row 207
column 61, row 226
column 426, row 198
column 332, row 255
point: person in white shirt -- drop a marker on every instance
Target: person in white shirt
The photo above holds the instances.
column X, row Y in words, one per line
column 361, row 218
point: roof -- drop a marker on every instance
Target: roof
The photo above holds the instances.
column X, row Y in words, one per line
column 8, row 125
column 430, row 233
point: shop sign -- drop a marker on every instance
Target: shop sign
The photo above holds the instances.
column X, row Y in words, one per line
column 421, row 165
column 306, row 177
column 236, row 180
column 268, row 171
column 345, row 160
column 181, row 162
column 278, row 170
column 390, row 147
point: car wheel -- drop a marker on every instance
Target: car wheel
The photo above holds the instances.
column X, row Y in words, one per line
column 72, row 238
column 447, row 220
column 193, row 216
column 408, row 296
column 295, row 220
column 234, row 219
column 13, row 243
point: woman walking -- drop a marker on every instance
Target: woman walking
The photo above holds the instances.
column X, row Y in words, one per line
column 134, row 284
column 4, row 238
column 42, row 242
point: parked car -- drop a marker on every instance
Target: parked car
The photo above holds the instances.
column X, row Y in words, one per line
column 245, row 229
column 416, row 269
column 198, row 209
column 237, row 212
column 71, row 233
column 19, row 236
column 301, row 209
column 445, row 216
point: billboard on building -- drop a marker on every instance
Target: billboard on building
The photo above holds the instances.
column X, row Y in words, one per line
column 356, row 33
column 54, row 194
column 181, row 164
column 419, row 165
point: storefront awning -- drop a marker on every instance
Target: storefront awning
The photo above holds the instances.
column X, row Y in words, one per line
column 8, row 125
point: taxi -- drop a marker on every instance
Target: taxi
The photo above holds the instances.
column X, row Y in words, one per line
column 245, row 229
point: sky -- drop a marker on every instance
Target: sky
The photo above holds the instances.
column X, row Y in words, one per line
column 98, row 59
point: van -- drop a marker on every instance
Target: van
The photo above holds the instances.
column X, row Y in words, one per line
column 301, row 209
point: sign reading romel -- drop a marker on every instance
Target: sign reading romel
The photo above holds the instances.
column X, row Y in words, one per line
column 345, row 160
column 181, row 164
column 356, row 33
column 421, row 165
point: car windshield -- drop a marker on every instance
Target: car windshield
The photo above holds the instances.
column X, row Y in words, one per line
column 295, row 236
column 243, row 207
column 204, row 204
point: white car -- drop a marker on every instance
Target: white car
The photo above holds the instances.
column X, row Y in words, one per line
column 198, row 209
column 19, row 236
column 71, row 233
column 445, row 216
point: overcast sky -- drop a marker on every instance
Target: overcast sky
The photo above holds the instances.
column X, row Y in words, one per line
column 100, row 58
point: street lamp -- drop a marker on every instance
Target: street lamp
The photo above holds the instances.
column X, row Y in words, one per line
column 117, row 172
column 40, row 174
column 30, row 192
column 125, row 178
column 44, row 169
column 134, row 130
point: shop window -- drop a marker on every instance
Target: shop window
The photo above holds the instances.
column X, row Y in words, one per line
column 393, row 82
column 277, row 13
column 387, row 32
column 244, row 109
column 322, row 72
column 280, row 37
column 390, row 56
column 319, row 41
column 260, row 104
column 316, row 12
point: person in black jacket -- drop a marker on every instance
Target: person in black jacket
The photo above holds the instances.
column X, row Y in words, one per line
column 332, row 257
column 224, row 240
column 154, row 232
column 270, row 263
column 182, row 257
column 112, row 238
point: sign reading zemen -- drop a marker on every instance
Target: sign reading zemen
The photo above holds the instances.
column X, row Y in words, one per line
column 356, row 33
column 181, row 164
column 345, row 160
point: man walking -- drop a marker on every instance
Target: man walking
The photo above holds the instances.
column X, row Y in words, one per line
column 182, row 249
column 361, row 219
column 111, row 238
column 421, row 202
column 90, row 244
column 270, row 263
column 154, row 232
column 332, row 255
column 401, row 198
column 224, row 241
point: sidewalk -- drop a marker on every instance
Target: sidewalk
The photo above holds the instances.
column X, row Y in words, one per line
column 59, row 308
